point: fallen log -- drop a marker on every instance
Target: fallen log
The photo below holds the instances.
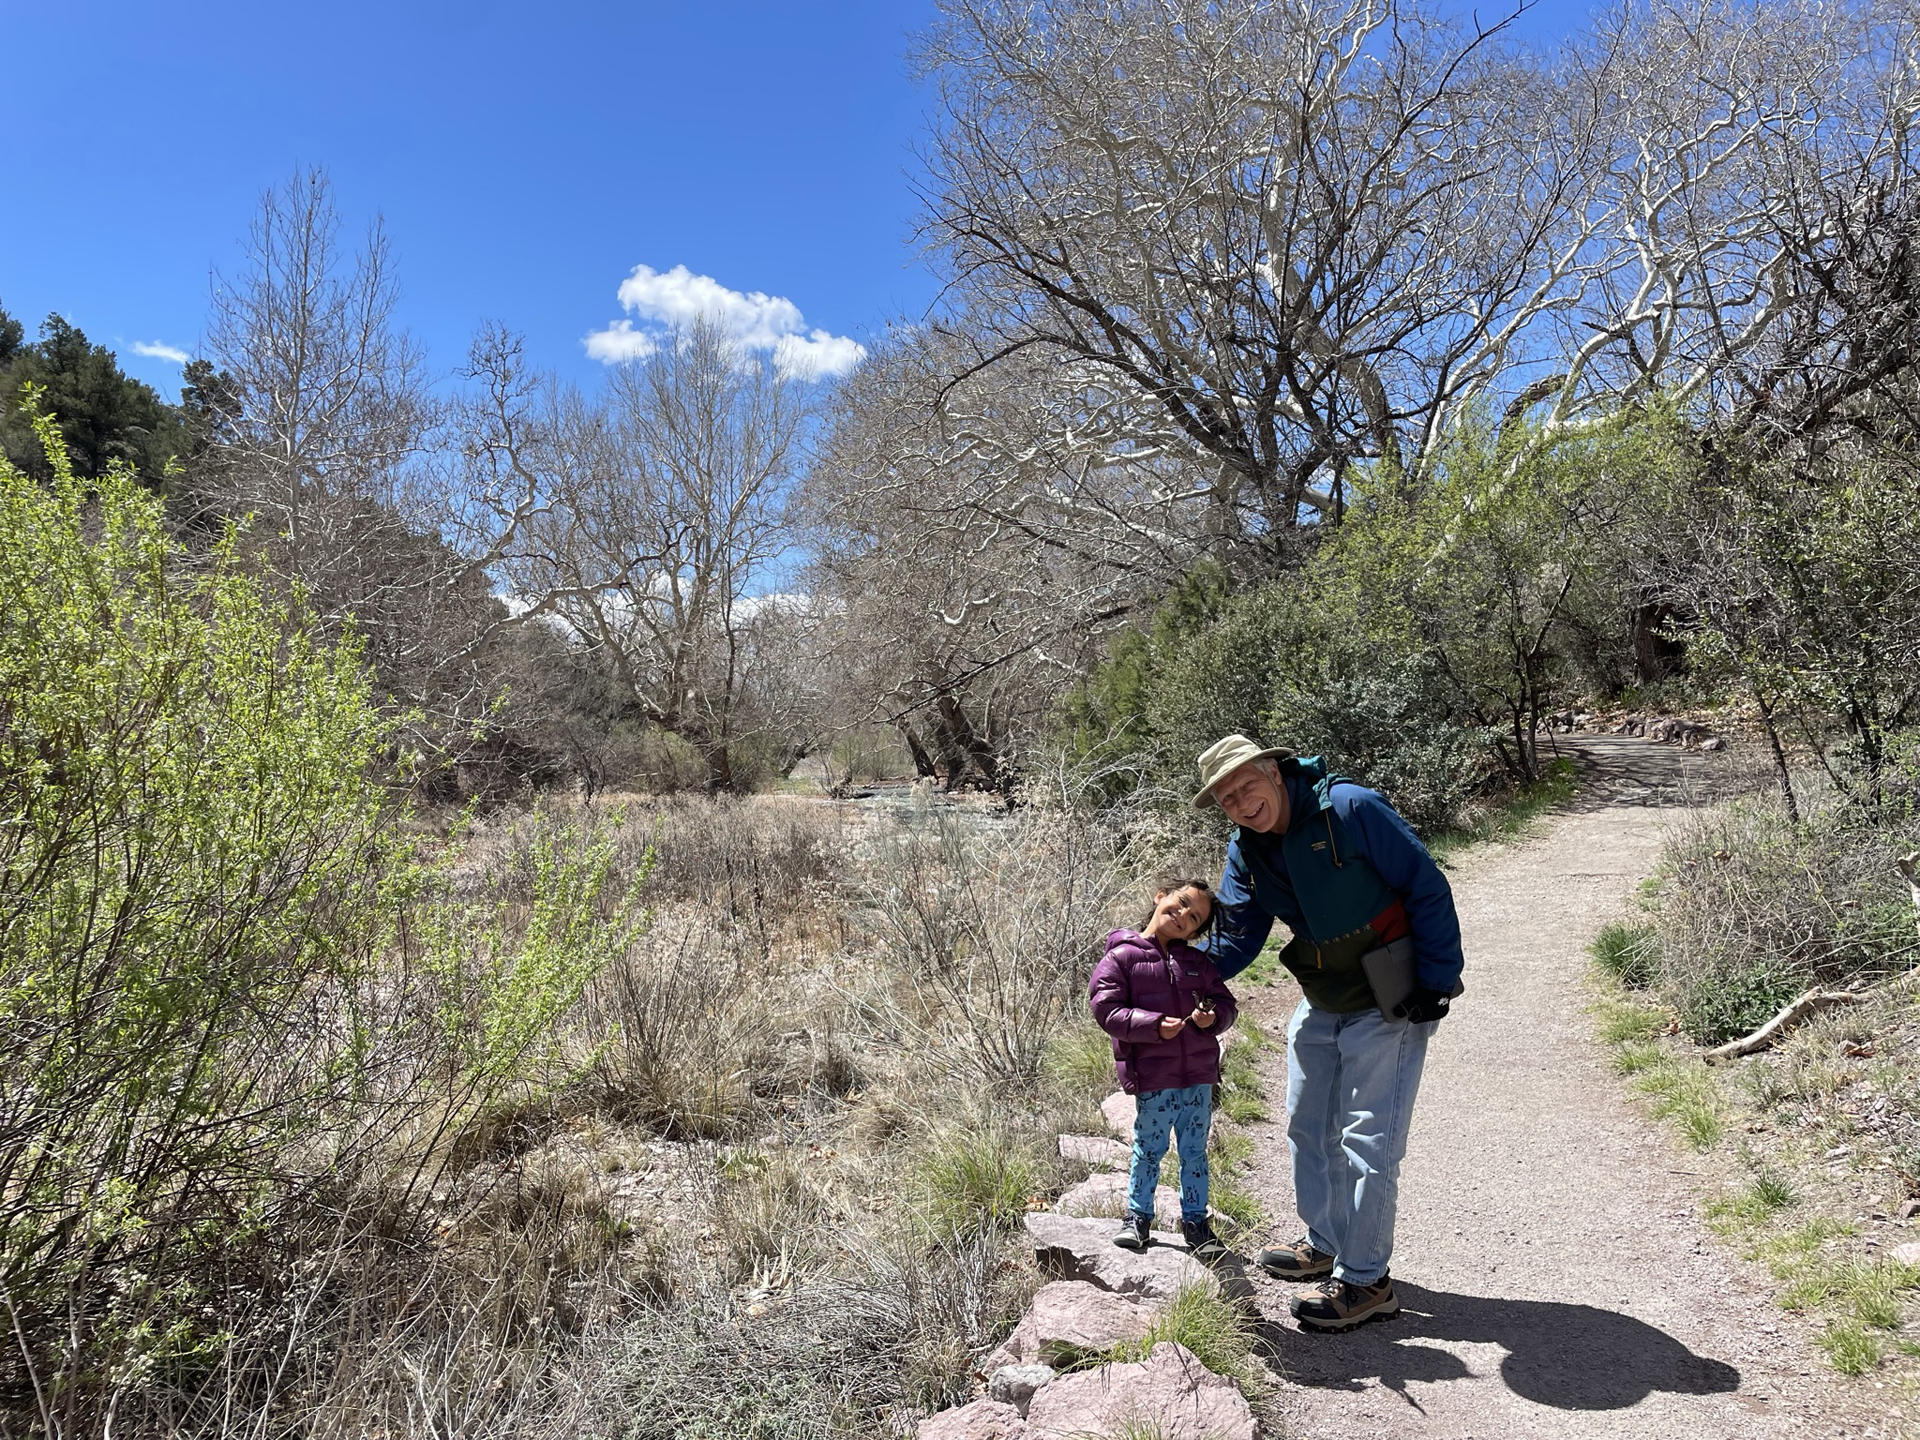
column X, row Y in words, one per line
column 1811, row 1003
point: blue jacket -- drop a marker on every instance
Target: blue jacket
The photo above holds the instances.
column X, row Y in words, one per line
column 1370, row 830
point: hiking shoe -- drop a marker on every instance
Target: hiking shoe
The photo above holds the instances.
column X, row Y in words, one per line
column 1334, row 1305
column 1202, row 1243
column 1134, row 1232
column 1298, row 1261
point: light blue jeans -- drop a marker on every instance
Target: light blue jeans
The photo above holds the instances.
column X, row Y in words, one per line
column 1351, row 1082
column 1188, row 1114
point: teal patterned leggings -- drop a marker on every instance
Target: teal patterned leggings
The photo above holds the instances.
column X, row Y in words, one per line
column 1187, row 1114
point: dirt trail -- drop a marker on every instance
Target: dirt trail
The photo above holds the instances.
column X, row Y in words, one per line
column 1555, row 1275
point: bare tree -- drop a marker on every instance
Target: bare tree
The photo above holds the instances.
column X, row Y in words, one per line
column 1302, row 230
column 1740, row 141
column 652, row 525
column 328, row 399
column 973, row 554
column 1329, row 233
column 324, row 438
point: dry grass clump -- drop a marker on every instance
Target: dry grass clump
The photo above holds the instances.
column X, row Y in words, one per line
column 989, row 935
column 1755, row 909
column 766, row 866
column 676, row 1033
column 772, row 1219
column 756, row 1170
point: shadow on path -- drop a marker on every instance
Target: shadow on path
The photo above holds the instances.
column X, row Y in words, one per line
column 1621, row 770
column 1570, row 1357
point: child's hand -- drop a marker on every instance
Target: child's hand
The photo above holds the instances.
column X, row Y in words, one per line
column 1203, row 1018
column 1170, row 1026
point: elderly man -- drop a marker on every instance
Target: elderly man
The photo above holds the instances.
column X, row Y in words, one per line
column 1335, row 862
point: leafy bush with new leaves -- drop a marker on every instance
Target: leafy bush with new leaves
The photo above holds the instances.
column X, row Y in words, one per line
column 194, row 852
column 249, row 1018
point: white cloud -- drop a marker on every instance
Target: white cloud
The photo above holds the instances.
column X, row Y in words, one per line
column 154, row 350
column 811, row 356
column 620, row 341
column 770, row 324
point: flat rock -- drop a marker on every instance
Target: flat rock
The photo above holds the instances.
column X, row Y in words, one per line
column 1096, row 1150
column 1907, row 1254
column 1016, row 1385
column 1105, row 1196
column 1068, row 1320
column 1170, row 1394
column 982, row 1420
column 1075, row 1249
column 1118, row 1110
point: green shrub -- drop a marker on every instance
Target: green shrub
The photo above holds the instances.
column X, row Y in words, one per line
column 1274, row 666
column 197, row 853
column 1216, row 1329
column 1387, row 721
column 1757, row 909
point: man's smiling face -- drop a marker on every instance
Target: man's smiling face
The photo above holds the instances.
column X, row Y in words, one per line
column 1253, row 798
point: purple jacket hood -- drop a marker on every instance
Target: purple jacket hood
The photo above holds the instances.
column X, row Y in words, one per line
column 1136, row 983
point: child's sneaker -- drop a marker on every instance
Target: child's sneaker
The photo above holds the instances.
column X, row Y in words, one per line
column 1135, row 1232
column 1202, row 1243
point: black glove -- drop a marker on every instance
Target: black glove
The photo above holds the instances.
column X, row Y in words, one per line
column 1423, row 1006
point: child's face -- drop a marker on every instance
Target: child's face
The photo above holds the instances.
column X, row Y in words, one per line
column 1181, row 913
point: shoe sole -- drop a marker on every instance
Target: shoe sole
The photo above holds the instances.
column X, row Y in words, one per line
column 1135, row 1246
column 1293, row 1275
column 1381, row 1312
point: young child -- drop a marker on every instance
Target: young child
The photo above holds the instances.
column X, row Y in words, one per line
column 1165, row 1005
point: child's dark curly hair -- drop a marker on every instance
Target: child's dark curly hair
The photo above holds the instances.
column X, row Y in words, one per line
column 1167, row 884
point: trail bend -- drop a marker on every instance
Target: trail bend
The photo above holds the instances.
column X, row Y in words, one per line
column 1555, row 1275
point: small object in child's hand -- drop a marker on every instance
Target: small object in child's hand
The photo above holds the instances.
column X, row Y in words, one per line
column 1204, row 1005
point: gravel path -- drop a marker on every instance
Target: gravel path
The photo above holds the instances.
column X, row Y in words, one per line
column 1555, row 1275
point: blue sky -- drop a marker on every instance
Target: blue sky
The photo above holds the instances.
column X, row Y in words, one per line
column 526, row 158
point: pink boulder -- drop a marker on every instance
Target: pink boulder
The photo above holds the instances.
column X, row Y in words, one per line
column 1169, row 1394
column 982, row 1420
column 1069, row 1319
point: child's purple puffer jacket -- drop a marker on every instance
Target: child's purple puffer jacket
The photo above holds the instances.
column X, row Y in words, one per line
column 1135, row 983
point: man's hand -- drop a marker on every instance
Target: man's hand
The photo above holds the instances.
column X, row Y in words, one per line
column 1423, row 1006
column 1170, row 1026
column 1203, row 1018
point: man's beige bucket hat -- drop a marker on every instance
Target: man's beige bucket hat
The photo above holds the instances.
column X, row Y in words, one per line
column 1222, row 758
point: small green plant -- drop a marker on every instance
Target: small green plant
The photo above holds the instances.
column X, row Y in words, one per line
column 1215, row 1329
column 974, row 1179
column 1685, row 1095
column 1628, row 953
column 1788, row 1252
column 1079, row 1062
column 1242, row 1097
column 1231, row 1196
column 1266, row 967
column 1754, row 1204
column 1849, row 1347
column 1634, row 1056
column 1623, row 1019
column 1771, row 1193
column 1701, row 1127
